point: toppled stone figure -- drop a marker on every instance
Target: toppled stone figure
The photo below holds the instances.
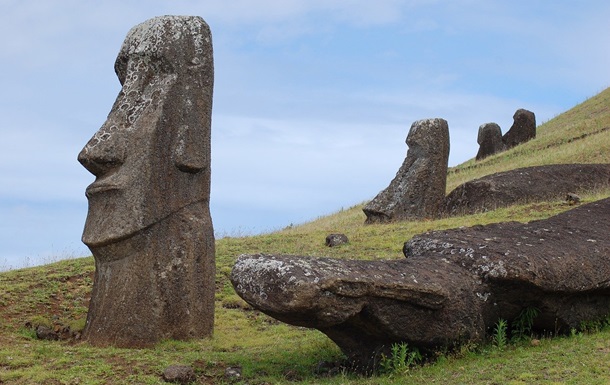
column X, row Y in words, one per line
column 148, row 225
column 489, row 140
column 528, row 184
column 418, row 190
column 453, row 287
column 522, row 130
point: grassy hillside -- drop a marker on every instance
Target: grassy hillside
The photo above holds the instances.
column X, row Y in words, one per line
column 270, row 352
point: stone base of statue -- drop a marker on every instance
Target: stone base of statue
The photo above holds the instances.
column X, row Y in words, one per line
column 160, row 291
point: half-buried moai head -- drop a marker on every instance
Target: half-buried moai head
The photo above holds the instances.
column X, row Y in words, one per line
column 149, row 226
column 152, row 155
column 418, row 189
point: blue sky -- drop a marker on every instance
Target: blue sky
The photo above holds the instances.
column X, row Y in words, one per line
column 313, row 99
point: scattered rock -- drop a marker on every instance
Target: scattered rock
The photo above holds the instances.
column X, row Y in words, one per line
column 452, row 289
column 418, row 189
column 572, row 199
column 333, row 240
column 55, row 332
column 148, row 225
column 530, row 184
column 522, row 130
column 46, row 333
column 489, row 140
column 179, row 374
column 328, row 369
column 233, row 373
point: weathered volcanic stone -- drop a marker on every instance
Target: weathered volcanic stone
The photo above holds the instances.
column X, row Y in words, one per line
column 333, row 240
column 489, row 140
column 179, row 374
column 522, row 130
column 149, row 226
column 453, row 288
column 418, row 190
column 530, row 184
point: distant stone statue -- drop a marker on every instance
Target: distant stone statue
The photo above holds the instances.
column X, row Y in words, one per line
column 149, row 226
column 489, row 140
column 522, row 130
column 418, row 190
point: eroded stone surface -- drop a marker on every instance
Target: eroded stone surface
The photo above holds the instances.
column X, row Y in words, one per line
column 522, row 130
column 489, row 140
column 148, row 225
column 453, row 288
column 530, row 184
column 418, row 190
column 179, row 374
column 333, row 240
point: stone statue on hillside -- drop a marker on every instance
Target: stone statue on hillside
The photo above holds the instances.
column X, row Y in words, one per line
column 149, row 226
column 522, row 130
column 452, row 288
column 418, row 190
column 489, row 140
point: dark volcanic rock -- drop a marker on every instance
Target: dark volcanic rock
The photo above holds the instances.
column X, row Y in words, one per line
column 333, row 240
column 148, row 225
column 418, row 189
column 528, row 184
column 453, row 288
column 179, row 374
column 46, row 333
column 233, row 373
column 489, row 140
column 522, row 130
column 572, row 198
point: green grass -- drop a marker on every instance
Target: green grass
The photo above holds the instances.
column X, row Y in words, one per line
column 270, row 352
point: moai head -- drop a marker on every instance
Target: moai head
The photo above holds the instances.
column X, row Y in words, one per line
column 151, row 156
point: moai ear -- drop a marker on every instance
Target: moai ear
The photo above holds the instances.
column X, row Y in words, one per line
column 189, row 152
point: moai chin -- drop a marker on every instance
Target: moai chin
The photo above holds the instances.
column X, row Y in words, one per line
column 148, row 225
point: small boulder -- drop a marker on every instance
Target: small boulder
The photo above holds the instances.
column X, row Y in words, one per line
column 46, row 333
column 179, row 374
column 333, row 240
column 233, row 373
column 572, row 199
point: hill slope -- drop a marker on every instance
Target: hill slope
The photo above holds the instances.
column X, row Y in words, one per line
column 269, row 352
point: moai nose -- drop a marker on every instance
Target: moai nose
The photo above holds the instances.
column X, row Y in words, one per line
column 103, row 152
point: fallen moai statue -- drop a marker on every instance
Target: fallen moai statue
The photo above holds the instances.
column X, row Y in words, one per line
column 453, row 287
column 529, row 184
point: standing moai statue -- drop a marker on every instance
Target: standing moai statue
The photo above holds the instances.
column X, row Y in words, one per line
column 489, row 140
column 522, row 130
column 418, row 190
column 149, row 225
